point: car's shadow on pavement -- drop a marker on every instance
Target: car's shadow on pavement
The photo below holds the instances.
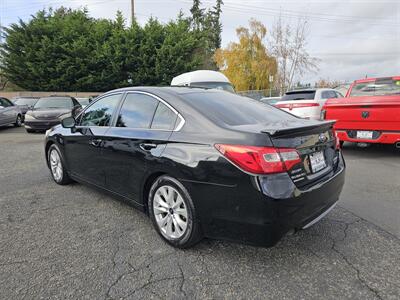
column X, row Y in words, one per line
column 371, row 150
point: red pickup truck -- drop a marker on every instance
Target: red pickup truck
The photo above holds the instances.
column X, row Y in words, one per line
column 370, row 112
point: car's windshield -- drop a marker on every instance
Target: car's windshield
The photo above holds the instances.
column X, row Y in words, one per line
column 376, row 88
column 26, row 101
column 226, row 86
column 54, row 102
column 298, row 95
column 235, row 110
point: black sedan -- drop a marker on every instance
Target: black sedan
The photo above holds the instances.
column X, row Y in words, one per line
column 49, row 111
column 202, row 163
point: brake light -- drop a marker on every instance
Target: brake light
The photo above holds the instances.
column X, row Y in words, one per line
column 337, row 142
column 260, row 160
column 290, row 106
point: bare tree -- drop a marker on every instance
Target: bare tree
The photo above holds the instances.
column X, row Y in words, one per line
column 288, row 45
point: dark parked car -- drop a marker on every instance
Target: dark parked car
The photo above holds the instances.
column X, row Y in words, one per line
column 25, row 103
column 202, row 163
column 9, row 113
column 49, row 111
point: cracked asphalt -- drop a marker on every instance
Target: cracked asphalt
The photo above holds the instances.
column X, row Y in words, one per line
column 74, row 242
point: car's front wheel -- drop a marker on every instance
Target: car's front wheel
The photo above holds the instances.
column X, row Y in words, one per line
column 173, row 214
column 57, row 169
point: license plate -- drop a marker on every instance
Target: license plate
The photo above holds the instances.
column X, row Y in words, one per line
column 317, row 160
column 365, row 134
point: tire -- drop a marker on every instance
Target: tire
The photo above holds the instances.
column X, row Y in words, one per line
column 56, row 166
column 18, row 121
column 179, row 231
column 30, row 130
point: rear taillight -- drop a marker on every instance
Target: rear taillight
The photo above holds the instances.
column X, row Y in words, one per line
column 290, row 106
column 260, row 160
column 337, row 142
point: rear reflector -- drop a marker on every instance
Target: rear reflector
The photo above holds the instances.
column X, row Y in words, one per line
column 260, row 160
column 290, row 106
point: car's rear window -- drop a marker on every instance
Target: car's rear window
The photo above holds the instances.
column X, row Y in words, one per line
column 300, row 95
column 376, row 88
column 234, row 110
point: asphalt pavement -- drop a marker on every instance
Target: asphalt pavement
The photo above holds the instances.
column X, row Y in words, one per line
column 74, row 242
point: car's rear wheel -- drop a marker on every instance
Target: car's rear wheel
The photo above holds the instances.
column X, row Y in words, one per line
column 173, row 214
column 57, row 169
column 18, row 121
column 30, row 131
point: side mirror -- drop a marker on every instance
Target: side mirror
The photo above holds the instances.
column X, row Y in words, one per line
column 68, row 122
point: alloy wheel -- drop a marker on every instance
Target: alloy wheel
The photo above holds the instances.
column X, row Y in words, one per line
column 55, row 165
column 18, row 123
column 170, row 212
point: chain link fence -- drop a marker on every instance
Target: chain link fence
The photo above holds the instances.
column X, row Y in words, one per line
column 258, row 94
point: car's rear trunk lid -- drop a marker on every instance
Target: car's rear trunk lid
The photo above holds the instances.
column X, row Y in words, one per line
column 315, row 143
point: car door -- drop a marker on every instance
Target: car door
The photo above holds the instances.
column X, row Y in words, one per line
column 3, row 116
column 83, row 145
column 142, row 128
column 8, row 114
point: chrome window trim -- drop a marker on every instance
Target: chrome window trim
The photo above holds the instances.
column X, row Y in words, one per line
column 180, row 117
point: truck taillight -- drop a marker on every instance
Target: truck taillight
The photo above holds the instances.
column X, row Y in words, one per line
column 260, row 160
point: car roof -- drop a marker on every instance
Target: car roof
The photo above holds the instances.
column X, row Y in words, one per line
column 173, row 90
column 56, row 96
column 309, row 90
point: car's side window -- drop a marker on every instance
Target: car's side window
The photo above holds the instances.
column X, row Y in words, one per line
column 325, row 94
column 5, row 103
column 137, row 111
column 164, row 118
column 100, row 112
column 338, row 95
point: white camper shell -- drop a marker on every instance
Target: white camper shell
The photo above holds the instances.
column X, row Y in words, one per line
column 204, row 79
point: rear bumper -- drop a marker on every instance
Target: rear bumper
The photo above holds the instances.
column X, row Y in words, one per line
column 384, row 137
column 261, row 215
column 41, row 124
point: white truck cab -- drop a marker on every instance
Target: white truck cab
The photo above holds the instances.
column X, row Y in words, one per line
column 204, row 79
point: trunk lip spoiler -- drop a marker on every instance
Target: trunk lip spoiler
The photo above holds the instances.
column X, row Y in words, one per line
column 294, row 129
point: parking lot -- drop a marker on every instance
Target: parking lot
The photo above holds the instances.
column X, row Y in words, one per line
column 75, row 242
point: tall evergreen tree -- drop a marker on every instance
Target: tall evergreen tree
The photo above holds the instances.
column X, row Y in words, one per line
column 66, row 50
column 197, row 18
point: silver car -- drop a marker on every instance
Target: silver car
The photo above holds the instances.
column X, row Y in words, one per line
column 9, row 113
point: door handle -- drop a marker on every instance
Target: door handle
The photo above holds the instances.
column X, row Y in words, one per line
column 147, row 147
column 95, row 142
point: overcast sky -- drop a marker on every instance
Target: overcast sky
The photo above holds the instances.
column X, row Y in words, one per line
column 352, row 38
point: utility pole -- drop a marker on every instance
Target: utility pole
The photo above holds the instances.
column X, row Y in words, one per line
column 132, row 11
